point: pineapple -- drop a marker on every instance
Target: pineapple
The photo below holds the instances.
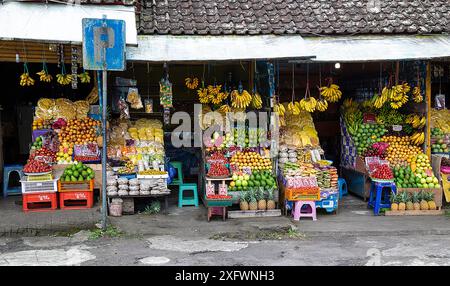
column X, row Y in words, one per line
column 423, row 203
column 253, row 204
column 270, row 201
column 402, row 201
column 243, row 202
column 430, row 201
column 394, row 204
column 416, row 200
column 262, row 204
column 409, row 203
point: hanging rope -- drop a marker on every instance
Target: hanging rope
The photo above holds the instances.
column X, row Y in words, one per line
column 293, row 84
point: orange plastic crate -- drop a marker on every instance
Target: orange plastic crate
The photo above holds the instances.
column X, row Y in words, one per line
column 76, row 200
column 39, row 202
column 302, row 194
column 85, row 186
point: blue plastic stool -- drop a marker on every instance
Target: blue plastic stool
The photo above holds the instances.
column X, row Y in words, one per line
column 380, row 195
column 178, row 180
column 342, row 185
column 187, row 201
column 7, row 170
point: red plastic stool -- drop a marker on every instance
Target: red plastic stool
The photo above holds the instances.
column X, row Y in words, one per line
column 39, row 202
column 298, row 210
column 76, row 200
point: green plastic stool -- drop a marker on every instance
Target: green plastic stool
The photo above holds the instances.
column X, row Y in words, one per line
column 177, row 181
column 187, row 201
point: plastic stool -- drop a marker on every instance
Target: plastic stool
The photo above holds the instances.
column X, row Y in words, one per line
column 379, row 198
column 179, row 179
column 342, row 185
column 7, row 170
column 187, row 201
column 298, row 210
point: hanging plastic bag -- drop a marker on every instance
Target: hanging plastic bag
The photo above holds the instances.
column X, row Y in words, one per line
column 165, row 93
column 124, row 110
column 134, row 98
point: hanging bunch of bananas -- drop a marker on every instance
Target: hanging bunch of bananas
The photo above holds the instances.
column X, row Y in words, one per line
column 25, row 78
column 398, row 95
column 256, row 101
column 417, row 95
column 44, row 76
column 308, row 103
column 224, row 109
column 92, row 97
column 321, row 105
column 84, row 77
column 240, row 100
column 294, row 107
column 380, row 99
column 203, row 96
column 280, row 109
column 331, row 92
column 191, row 83
column 213, row 94
column 417, row 138
column 64, row 79
column 416, row 121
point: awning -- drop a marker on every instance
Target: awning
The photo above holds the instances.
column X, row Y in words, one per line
column 378, row 48
column 161, row 48
column 58, row 22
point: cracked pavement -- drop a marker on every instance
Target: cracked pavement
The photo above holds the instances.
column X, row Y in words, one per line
column 170, row 250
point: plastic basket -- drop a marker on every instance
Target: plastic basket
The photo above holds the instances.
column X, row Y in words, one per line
column 45, row 177
column 82, row 186
column 50, row 186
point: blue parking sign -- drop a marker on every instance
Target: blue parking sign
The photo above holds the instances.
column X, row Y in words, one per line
column 103, row 44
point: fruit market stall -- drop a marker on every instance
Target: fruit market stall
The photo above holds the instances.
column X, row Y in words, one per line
column 391, row 126
column 237, row 160
column 302, row 173
column 136, row 158
column 64, row 138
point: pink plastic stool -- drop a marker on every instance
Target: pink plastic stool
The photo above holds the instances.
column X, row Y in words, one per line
column 298, row 207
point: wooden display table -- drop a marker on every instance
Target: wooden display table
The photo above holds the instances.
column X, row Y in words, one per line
column 129, row 200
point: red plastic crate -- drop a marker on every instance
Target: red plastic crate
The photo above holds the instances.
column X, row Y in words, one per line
column 39, row 202
column 76, row 200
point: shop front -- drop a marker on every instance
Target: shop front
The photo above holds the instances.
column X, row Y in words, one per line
column 244, row 125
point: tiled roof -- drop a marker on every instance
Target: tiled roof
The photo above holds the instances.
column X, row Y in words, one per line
column 216, row 17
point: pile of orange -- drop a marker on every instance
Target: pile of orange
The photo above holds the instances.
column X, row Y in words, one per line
column 400, row 150
column 79, row 131
column 252, row 160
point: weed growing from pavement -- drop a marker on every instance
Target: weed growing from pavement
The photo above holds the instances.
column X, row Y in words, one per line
column 290, row 233
column 110, row 232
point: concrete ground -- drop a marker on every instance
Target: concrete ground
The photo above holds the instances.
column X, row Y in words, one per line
column 184, row 237
column 13, row 221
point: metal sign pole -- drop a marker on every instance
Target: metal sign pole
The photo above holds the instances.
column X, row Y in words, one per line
column 104, row 103
column 104, row 205
column 104, row 45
